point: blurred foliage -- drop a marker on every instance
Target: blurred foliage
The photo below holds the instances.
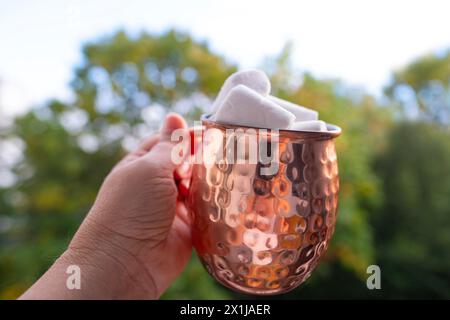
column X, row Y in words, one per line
column 412, row 227
column 393, row 205
column 422, row 90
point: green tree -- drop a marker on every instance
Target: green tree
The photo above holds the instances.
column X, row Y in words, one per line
column 411, row 228
column 422, row 89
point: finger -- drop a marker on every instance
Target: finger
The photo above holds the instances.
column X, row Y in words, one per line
column 142, row 149
column 183, row 231
column 183, row 188
column 148, row 143
column 161, row 152
column 172, row 122
column 183, row 171
column 183, row 213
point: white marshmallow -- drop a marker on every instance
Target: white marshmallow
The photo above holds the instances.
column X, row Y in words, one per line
column 252, row 78
column 301, row 113
column 246, row 107
column 312, row 125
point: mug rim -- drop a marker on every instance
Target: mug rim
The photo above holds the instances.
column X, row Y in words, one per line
column 333, row 131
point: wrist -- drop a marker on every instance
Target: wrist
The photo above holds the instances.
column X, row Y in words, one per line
column 109, row 270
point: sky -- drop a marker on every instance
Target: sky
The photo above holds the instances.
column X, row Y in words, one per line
column 358, row 41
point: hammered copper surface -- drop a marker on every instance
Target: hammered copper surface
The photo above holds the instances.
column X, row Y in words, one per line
column 265, row 234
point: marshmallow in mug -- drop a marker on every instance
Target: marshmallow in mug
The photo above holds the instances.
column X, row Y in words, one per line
column 252, row 78
column 301, row 113
column 246, row 107
column 251, row 105
column 311, row 125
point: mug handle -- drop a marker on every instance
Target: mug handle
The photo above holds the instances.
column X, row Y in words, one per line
column 182, row 174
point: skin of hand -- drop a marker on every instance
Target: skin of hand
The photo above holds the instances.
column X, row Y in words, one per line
column 136, row 238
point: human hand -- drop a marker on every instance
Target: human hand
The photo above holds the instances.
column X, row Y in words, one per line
column 136, row 238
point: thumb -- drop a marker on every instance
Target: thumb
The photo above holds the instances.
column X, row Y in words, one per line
column 161, row 153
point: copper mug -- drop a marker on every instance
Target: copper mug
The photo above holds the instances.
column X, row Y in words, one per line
column 257, row 233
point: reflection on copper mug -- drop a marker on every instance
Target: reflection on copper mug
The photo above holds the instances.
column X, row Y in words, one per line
column 264, row 234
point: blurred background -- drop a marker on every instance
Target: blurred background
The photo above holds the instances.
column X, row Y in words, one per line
column 82, row 82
